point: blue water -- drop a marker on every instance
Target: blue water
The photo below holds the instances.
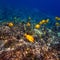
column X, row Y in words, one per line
column 48, row 6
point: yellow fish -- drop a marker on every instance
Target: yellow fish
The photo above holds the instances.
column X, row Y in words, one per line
column 47, row 20
column 10, row 24
column 57, row 24
column 29, row 37
column 40, row 23
column 57, row 18
column 43, row 21
column 37, row 26
column 28, row 24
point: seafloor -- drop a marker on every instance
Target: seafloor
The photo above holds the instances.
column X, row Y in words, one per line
column 42, row 43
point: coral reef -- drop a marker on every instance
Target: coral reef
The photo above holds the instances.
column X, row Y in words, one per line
column 22, row 37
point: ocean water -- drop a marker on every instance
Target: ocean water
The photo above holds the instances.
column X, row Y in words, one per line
column 48, row 6
column 41, row 7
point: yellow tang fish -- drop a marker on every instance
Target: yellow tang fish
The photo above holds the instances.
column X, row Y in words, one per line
column 10, row 24
column 29, row 37
column 40, row 23
column 28, row 24
column 57, row 18
column 47, row 20
column 37, row 26
column 43, row 21
column 57, row 24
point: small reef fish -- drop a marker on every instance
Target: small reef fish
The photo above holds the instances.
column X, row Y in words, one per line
column 44, row 21
column 10, row 24
column 47, row 20
column 57, row 18
column 28, row 24
column 37, row 26
column 30, row 38
column 40, row 22
column 57, row 24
